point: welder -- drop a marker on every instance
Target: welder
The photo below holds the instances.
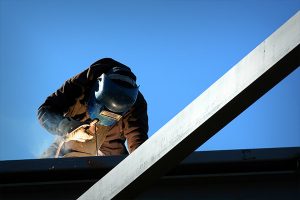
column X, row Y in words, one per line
column 95, row 112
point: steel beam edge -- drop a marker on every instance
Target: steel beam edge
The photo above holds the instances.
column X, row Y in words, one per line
column 235, row 91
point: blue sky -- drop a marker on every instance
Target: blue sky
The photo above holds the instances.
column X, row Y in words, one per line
column 177, row 49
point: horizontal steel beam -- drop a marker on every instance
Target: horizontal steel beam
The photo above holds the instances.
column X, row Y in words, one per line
column 68, row 178
column 19, row 173
column 247, row 81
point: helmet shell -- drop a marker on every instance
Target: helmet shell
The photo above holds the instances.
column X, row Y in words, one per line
column 109, row 96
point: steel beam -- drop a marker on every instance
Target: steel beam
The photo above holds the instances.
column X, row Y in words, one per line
column 230, row 171
column 242, row 85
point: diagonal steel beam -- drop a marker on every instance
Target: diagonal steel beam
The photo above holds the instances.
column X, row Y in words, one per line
column 242, row 85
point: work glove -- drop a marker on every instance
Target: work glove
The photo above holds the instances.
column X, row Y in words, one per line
column 79, row 134
column 67, row 125
column 82, row 133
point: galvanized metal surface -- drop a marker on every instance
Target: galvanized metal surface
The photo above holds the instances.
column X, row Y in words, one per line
column 242, row 85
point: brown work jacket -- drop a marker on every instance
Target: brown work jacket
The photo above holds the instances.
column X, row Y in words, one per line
column 71, row 101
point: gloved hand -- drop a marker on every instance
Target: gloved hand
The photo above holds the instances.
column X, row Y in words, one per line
column 67, row 125
column 82, row 133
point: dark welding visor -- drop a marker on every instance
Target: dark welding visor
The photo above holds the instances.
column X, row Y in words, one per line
column 115, row 97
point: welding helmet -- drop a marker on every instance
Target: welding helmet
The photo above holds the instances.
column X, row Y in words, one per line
column 113, row 94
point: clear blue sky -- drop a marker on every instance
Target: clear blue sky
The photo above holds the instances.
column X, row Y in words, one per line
column 177, row 49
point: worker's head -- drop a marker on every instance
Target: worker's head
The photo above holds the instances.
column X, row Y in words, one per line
column 113, row 94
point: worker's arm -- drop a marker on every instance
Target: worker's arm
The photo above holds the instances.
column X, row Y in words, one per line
column 51, row 113
column 136, row 124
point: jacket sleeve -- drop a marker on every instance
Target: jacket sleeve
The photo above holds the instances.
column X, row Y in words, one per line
column 51, row 114
column 136, row 124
